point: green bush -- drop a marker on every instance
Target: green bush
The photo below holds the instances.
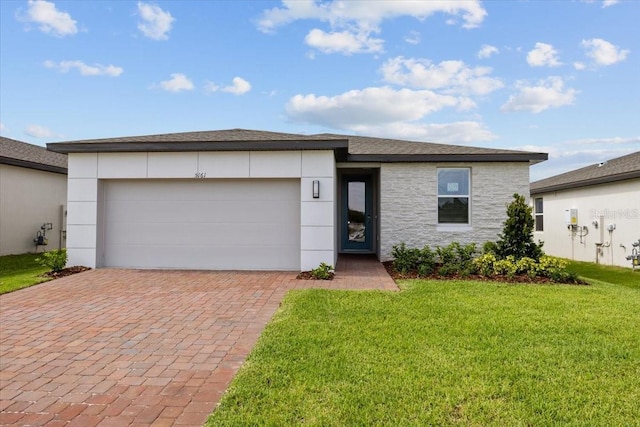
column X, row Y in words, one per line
column 484, row 263
column 405, row 259
column 553, row 268
column 56, row 260
column 426, row 261
column 506, row 267
column 322, row 272
column 455, row 258
column 517, row 235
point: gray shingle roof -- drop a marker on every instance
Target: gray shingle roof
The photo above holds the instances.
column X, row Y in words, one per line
column 618, row 169
column 348, row 147
column 18, row 153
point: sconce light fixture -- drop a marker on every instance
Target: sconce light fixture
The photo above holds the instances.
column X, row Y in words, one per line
column 316, row 189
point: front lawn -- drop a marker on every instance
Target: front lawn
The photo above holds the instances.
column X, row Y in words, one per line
column 606, row 273
column 444, row 353
column 20, row 271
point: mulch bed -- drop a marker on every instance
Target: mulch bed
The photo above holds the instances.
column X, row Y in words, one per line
column 306, row 275
column 388, row 265
column 66, row 272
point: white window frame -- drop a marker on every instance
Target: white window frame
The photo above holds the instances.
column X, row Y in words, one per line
column 537, row 214
column 445, row 225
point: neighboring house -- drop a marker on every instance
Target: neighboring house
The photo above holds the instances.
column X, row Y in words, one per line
column 591, row 214
column 241, row 199
column 33, row 192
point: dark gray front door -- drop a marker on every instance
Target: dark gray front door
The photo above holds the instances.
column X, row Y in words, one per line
column 356, row 215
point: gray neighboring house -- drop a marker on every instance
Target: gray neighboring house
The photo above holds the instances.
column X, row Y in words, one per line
column 592, row 213
column 257, row 200
column 33, row 192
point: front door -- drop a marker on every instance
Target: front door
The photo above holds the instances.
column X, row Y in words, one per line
column 357, row 207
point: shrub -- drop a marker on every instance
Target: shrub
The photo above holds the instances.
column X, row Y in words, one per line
column 426, row 261
column 323, row 272
column 506, row 267
column 405, row 259
column 490, row 248
column 517, row 235
column 484, row 263
column 455, row 258
column 555, row 269
column 55, row 260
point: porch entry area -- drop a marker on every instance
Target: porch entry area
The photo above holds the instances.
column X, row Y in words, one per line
column 358, row 212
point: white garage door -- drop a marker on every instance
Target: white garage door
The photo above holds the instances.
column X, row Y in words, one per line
column 251, row 224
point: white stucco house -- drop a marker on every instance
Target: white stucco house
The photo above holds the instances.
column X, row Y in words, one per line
column 33, row 195
column 257, row 200
column 591, row 214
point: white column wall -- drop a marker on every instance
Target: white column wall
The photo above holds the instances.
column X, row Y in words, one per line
column 82, row 205
column 317, row 215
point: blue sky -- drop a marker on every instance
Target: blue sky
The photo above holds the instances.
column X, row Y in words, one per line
column 561, row 77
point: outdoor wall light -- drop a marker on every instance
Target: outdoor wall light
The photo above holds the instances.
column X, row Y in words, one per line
column 316, row 189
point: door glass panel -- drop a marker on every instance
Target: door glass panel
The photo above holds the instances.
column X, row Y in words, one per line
column 356, row 220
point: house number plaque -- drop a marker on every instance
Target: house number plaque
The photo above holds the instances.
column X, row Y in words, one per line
column 201, row 174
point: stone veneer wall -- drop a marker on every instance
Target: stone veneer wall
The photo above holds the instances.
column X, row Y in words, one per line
column 409, row 206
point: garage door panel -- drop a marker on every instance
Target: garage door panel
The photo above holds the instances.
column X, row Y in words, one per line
column 206, row 258
column 230, row 234
column 202, row 224
column 198, row 211
column 232, row 190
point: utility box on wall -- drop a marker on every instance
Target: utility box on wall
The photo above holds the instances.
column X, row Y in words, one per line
column 571, row 216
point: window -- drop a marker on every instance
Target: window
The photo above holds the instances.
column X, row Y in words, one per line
column 454, row 192
column 538, row 214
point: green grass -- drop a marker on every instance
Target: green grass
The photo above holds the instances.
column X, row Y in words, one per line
column 606, row 273
column 20, row 271
column 444, row 353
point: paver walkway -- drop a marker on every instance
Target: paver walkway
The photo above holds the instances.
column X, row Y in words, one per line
column 137, row 348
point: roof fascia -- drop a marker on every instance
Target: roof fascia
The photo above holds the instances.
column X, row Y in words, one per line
column 32, row 165
column 123, row 147
column 492, row 157
column 587, row 182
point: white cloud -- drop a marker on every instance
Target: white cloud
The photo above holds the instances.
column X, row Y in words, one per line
column 579, row 65
column 548, row 93
column 453, row 77
column 2, row 127
column 38, row 131
column 344, row 42
column 607, row 3
column 369, row 107
column 210, row 87
column 51, row 20
column 542, row 55
column 413, row 38
column 177, row 83
column 602, row 52
column 605, row 141
column 84, row 69
column 486, row 51
column 364, row 14
column 155, row 23
column 466, row 132
column 353, row 22
column 239, row 86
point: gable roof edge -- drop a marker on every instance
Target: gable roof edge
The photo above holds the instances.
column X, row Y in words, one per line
column 586, row 183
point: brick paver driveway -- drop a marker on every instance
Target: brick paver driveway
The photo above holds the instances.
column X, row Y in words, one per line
column 127, row 347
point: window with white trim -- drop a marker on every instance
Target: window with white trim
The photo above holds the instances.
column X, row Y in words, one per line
column 454, row 195
column 538, row 211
